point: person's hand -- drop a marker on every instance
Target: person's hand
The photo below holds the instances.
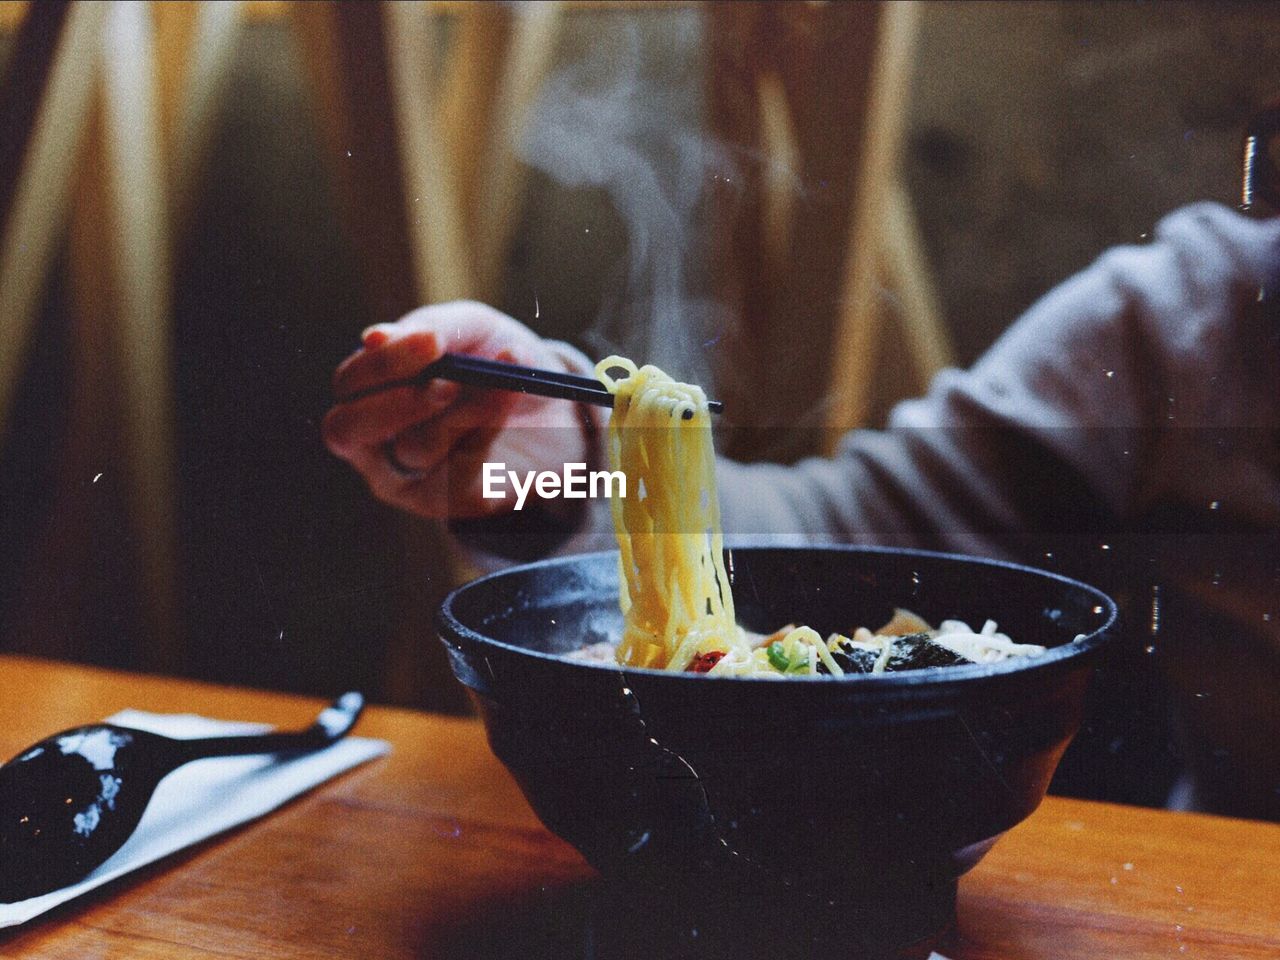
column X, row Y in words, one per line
column 423, row 448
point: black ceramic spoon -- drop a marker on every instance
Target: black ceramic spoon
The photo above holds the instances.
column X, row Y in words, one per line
column 71, row 801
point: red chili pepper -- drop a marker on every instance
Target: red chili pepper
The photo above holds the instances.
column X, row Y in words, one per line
column 703, row 662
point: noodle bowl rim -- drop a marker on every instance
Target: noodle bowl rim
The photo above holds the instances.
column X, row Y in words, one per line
column 452, row 629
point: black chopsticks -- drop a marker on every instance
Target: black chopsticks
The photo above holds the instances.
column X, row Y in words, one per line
column 491, row 374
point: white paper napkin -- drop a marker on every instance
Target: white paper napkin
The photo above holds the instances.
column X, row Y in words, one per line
column 204, row 798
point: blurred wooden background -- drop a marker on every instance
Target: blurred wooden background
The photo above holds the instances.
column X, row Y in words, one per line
column 204, row 203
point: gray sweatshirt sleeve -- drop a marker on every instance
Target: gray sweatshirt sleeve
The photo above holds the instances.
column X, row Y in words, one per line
column 1103, row 402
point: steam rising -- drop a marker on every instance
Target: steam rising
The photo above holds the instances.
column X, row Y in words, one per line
column 602, row 122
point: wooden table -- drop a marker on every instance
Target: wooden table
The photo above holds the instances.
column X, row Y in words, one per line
column 432, row 852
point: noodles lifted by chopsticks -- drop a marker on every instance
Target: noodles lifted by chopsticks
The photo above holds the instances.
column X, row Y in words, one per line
column 674, row 593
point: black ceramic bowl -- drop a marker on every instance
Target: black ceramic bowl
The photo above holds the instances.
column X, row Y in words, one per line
column 858, row 799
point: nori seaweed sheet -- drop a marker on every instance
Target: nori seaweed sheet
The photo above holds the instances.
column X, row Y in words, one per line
column 914, row 651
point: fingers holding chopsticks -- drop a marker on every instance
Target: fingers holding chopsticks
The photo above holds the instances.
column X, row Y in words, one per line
column 422, row 447
column 396, row 351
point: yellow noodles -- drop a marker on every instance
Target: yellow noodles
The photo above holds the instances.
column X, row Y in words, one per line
column 674, row 590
